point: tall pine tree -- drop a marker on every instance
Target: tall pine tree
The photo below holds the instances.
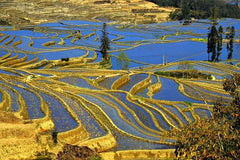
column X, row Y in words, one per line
column 230, row 36
column 209, row 48
column 105, row 44
column 219, row 43
column 228, row 39
column 212, row 41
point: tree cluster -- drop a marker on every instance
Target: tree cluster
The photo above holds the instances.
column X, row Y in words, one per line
column 215, row 138
column 192, row 73
column 202, row 8
column 215, row 41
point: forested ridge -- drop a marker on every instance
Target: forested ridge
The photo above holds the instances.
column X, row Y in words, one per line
column 201, row 8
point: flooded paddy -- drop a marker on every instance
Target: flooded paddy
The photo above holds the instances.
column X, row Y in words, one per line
column 52, row 67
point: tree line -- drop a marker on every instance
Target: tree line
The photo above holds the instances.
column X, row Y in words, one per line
column 202, row 9
column 215, row 41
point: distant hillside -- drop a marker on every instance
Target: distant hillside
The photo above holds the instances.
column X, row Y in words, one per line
column 122, row 11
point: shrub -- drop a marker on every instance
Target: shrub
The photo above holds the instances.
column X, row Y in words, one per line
column 77, row 152
column 162, row 73
column 189, row 103
column 193, row 73
column 215, row 138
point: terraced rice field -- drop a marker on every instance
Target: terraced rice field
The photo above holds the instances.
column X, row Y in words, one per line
column 135, row 106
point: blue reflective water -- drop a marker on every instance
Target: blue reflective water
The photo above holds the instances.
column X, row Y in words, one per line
column 140, row 112
column 64, row 54
column 115, row 64
column 112, row 113
column 61, row 117
column 85, row 118
column 212, row 92
column 8, row 72
column 128, row 143
column 3, row 52
column 153, row 53
column 189, row 115
column 45, row 75
column 141, row 34
column 78, row 22
column 77, row 81
column 134, row 79
column 161, row 121
column 203, row 113
column 32, row 102
column 176, row 113
column 15, row 104
column 107, row 83
column 143, row 92
column 30, row 57
column 25, row 33
column 169, row 91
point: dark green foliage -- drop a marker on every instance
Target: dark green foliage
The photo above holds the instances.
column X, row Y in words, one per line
column 231, row 85
column 236, row 2
column 219, row 42
column 209, row 46
column 230, row 36
column 105, row 44
column 185, row 65
column 3, row 22
column 230, row 51
column 102, row 1
column 185, row 74
column 202, row 8
column 189, row 103
column 186, row 12
column 176, row 15
column 162, row 73
column 215, row 138
column 232, row 32
column 214, row 44
column 54, row 136
column 214, row 13
column 95, row 157
column 213, row 39
column 123, row 61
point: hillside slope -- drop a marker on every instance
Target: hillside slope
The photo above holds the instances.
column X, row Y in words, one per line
column 41, row 11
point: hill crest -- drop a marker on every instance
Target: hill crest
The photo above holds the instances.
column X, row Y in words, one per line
column 42, row 11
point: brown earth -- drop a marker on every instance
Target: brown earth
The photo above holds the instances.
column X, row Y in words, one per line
column 20, row 139
column 26, row 12
column 15, row 136
column 77, row 153
column 6, row 117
